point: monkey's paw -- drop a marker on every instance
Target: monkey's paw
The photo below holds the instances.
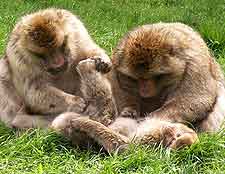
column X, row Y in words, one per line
column 102, row 65
column 177, row 136
column 77, row 104
column 129, row 112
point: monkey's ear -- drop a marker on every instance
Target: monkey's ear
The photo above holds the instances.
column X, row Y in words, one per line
column 44, row 32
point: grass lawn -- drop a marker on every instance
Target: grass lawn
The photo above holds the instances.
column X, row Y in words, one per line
column 43, row 152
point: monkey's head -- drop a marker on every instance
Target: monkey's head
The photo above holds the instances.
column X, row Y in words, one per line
column 150, row 58
column 44, row 38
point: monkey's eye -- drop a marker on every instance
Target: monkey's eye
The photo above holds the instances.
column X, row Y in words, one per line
column 38, row 55
column 142, row 67
column 64, row 48
column 125, row 80
column 159, row 77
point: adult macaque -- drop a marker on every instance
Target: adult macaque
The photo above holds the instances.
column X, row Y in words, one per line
column 165, row 72
column 38, row 78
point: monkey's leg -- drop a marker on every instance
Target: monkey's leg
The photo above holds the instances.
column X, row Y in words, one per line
column 72, row 123
column 215, row 120
column 10, row 102
column 172, row 135
column 96, row 90
column 109, row 139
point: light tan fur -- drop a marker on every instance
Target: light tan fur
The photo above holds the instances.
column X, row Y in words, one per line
column 38, row 78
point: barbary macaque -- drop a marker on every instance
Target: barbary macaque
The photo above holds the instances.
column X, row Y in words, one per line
column 39, row 79
column 165, row 73
column 166, row 86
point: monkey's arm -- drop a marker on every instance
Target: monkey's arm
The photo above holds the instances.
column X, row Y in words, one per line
column 46, row 99
column 126, row 103
column 191, row 101
column 89, row 49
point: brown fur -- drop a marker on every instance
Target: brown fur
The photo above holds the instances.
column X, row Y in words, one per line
column 176, row 60
column 163, row 80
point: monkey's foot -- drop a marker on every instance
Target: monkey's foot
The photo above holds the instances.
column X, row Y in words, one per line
column 176, row 135
column 62, row 123
column 86, row 67
column 25, row 121
column 92, row 65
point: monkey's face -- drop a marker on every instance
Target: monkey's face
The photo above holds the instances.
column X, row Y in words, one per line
column 55, row 60
column 150, row 76
column 149, row 69
column 45, row 39
column 150, row 60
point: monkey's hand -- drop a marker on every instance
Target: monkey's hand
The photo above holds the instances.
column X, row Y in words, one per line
column 76, row 104
column 129, row 112
column 176, row 135
column 103, row 65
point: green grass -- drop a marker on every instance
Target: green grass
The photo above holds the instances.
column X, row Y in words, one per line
column 42, row 152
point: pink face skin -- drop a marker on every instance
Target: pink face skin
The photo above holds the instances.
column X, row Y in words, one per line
column 147, row 88
column 58, row 61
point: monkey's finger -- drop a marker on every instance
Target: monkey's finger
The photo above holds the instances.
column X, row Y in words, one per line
column 101, row 65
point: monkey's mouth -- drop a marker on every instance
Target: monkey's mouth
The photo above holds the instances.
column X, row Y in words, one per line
column 59, row 64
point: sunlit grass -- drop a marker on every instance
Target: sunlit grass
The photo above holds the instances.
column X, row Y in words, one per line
column 41, row 151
